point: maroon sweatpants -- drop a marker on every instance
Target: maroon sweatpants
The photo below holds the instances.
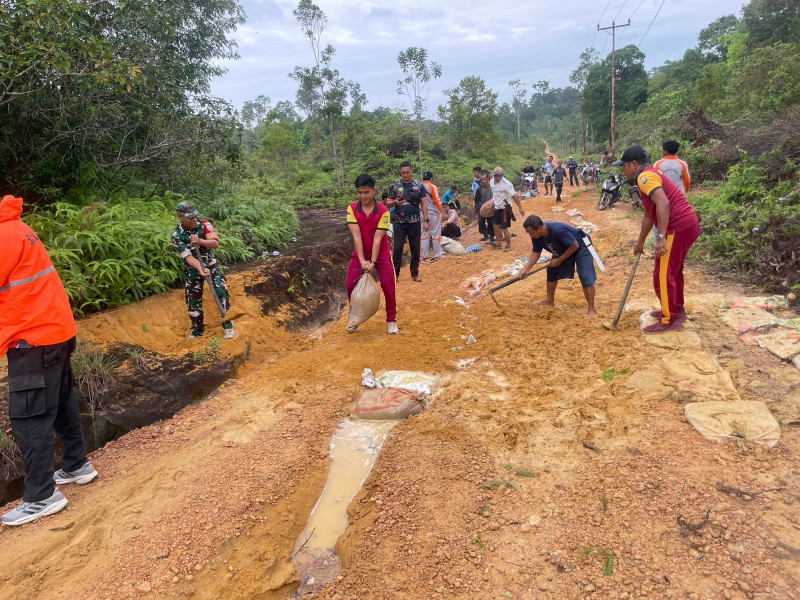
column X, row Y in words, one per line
column 385, row 270
column 668, row 273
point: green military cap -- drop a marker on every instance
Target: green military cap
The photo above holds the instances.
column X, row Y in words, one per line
column 186, row 209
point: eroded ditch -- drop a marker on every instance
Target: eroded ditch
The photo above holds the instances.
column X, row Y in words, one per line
column 303, row 289
column 354, row 449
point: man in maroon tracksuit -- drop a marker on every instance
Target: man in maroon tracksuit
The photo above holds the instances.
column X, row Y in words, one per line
column 667, row 208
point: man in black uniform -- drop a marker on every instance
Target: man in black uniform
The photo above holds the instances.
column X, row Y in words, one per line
column 407, row 195
column 559, row 174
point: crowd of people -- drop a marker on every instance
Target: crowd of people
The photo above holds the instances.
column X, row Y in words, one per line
column 38, row 332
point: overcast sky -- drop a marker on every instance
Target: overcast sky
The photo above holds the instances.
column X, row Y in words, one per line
column 499, row 40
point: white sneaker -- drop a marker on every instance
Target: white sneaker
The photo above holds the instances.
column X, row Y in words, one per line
column 30, row 511
column 230, row 334
column 391, row 327
column 81, row 476
column 195, row 335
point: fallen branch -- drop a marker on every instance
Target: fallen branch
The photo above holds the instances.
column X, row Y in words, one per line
column 693, row 527
column 743, row 494
column 304, row 543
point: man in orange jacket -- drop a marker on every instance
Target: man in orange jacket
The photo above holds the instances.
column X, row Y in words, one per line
column 37, row 332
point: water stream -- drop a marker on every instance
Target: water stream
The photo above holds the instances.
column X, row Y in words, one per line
column 354, row 448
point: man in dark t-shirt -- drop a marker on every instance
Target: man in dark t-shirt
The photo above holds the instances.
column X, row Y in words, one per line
column 559, row 174
column 569, row 250
column 407, row 196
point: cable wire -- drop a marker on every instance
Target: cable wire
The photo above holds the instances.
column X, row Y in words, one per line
column 598, row 22
column 651, row 24
column 620, row 10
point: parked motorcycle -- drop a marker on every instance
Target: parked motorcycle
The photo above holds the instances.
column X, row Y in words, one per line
column 612, row 193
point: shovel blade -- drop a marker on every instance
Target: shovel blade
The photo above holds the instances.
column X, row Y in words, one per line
column 609, row 326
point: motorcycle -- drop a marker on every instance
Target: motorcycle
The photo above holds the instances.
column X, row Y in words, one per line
column 586, row 174
column 612, row 193
column 528, row 179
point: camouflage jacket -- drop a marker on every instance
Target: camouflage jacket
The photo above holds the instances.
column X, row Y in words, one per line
column 180, row 240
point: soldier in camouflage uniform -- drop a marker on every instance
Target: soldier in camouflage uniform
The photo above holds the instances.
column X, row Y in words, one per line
column 193, row 233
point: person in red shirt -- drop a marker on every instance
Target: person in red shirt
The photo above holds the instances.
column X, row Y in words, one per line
column 667, row 208
column 369, row 222
column 37, row 332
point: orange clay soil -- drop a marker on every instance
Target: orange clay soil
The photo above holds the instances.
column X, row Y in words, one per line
column 525, row 459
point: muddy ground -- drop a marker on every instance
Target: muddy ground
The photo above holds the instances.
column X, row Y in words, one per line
column 525, row 460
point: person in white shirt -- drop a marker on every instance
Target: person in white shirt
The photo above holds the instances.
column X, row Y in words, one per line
column 503, row 193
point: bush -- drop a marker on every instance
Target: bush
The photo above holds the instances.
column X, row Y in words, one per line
column 117, row 251
column 752, row 229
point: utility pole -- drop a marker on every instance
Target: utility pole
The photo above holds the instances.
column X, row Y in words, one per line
column 613, row 29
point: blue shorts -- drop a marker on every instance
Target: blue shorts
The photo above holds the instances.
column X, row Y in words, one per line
column 566, row 270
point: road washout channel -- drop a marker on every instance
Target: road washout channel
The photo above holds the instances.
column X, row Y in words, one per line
column 155, row 372
column 354, row 448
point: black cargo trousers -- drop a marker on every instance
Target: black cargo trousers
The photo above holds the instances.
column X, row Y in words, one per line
column 41, row 400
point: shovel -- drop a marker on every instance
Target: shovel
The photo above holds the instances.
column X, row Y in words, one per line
column 213, row 292
column 613, row 326
column 509, row 282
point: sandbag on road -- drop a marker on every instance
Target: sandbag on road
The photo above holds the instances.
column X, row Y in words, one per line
column 388, row 404
column 364, row 301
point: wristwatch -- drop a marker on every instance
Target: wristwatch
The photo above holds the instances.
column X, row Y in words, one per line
column 659, row 237
column 427, row 220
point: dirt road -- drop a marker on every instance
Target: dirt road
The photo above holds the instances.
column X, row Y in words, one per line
column 526, row 458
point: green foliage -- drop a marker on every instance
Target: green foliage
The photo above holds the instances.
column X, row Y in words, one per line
column 92, row 88
column 11, row 457
column 631, row 87
column 114, row 252
column 210, row 353
column 93, row 371
column 608, row 566
column 767, row 81
column 752, row 227
column 609, row 373
column 770, row 21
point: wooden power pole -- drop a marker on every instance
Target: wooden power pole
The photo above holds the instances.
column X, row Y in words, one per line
column 613, row 29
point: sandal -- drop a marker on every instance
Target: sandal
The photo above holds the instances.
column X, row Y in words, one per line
column 416, row 278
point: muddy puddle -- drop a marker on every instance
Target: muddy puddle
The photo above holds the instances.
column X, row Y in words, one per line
column 354, row 449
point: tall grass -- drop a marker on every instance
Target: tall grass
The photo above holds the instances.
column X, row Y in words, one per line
column 117, row 251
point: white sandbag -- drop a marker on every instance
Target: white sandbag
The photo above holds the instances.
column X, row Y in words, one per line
column 451, row 246
column 740, row 419
column 364, row 301
column 388, row 403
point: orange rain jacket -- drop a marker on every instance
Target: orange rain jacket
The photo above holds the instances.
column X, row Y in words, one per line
column 33, row 302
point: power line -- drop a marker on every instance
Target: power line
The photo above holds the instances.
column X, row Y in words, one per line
column 637, row 8
column 620, row 9
column 600, row 19
column 651, row 24
column 621, row 35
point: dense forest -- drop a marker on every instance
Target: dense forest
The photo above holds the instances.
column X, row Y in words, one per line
column 109, row 121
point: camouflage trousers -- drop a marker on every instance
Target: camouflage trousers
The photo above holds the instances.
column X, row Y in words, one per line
column 194, row 298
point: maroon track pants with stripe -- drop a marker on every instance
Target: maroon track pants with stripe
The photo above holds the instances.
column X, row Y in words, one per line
column 668, row 272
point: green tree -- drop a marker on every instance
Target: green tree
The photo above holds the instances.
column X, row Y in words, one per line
column 578, row 77
column 631, row 86
column 711, row 41
column 322, row 91
column 470, row 112
column 517, row 101
column 769, row 21
column 417, row 74
column 92, row 88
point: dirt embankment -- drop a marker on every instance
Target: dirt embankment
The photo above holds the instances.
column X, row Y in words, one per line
column 528, row 475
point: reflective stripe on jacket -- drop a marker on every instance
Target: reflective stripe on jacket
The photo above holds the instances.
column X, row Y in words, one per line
column 33, row 303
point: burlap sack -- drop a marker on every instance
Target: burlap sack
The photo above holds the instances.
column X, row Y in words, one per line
column 364, row 301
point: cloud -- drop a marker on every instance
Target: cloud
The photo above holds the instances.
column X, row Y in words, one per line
column 499, row 42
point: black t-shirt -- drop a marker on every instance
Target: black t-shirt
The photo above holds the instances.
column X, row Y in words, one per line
column 482, row 195
column 560, row 236
column 413, row 193
column 528, row 170
column 559, row 173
